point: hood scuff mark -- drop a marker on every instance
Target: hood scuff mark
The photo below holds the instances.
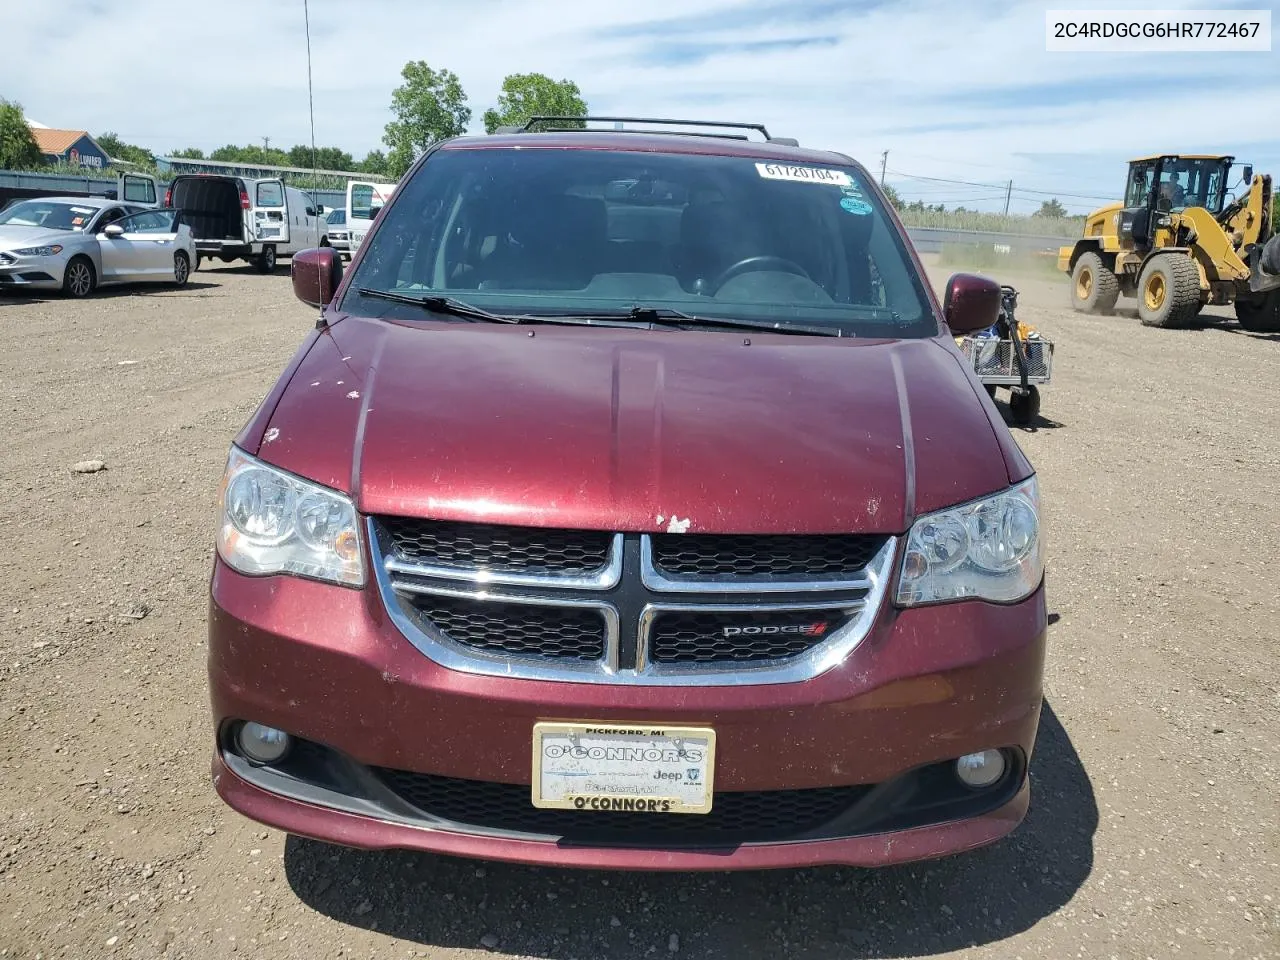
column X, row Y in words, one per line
column 271, row 434
column 677, row 525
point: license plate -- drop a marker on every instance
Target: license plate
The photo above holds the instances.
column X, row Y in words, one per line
column 640, row 768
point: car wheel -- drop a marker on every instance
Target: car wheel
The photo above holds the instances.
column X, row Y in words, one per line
column 79, row 279
column 181, row 269
column 267, row 260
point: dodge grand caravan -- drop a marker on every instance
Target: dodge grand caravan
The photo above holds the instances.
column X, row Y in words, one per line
column 630, row 507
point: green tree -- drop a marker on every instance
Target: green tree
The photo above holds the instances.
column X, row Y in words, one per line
column 117, row 149
column 893, row 196
column 188, row 153
column 1051, row 209
column 18, row 147
column 429, row 106
column 526, row 95
column 252, row 154
column 374, row 162
column 327, row 158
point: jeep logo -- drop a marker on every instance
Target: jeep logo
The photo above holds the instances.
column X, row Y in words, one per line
column 792, row 629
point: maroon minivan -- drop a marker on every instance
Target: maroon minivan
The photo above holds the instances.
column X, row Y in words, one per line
column 631, row 506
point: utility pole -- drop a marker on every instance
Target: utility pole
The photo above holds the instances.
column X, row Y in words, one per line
column 1008, row 195
column 266, row 143
column 884, row 162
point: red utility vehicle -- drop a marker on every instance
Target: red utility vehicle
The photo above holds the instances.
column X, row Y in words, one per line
column 631, row 506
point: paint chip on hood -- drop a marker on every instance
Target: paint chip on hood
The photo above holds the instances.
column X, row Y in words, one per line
column 677, row 525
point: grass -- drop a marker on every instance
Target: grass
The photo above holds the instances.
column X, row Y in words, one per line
column 984, row 258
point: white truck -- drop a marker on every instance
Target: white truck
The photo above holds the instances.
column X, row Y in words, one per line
column 364, row 200
column 240, row 218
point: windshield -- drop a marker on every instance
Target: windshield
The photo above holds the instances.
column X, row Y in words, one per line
column 562, row 231
column 1194, row 183
column 338, row 217
column 50, row 215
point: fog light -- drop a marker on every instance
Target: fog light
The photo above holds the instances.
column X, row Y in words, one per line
column 980, row 769
column 262, row 744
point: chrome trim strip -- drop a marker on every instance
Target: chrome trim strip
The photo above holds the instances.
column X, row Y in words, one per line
column 659, row 582
column 605, row 578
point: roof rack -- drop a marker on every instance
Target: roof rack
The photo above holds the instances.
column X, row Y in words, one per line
column 541, row 122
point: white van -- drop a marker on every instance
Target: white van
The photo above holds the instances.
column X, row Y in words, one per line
column 364, row 200
column 240, row 218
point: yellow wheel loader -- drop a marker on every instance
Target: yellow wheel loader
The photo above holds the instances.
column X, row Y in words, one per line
column 1179, row 241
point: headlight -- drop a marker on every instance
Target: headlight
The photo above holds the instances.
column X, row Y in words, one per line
column 273, row 522
column 990, row 549
column 48, row 251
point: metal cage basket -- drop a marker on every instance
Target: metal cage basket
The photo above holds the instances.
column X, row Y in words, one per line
column 994, row 361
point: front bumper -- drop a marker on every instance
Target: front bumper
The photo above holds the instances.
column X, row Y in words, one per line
column 399, row 752
column 33, row 273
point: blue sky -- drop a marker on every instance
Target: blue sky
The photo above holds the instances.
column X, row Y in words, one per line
column 952, row 91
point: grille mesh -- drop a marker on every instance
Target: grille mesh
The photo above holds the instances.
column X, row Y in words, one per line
column 768, row 816
column 493, row 547
column 701, row 637
column 724, row 555
column 565, row 633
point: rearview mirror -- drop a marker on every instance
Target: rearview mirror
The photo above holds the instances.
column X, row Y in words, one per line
column 971, row 303
column 316, row 273
column 113, row 230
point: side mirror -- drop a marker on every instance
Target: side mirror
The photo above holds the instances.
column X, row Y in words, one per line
column 971, row 303
column 1247, row 173
column 316, row 274
column 320, row 208
column 113, row 230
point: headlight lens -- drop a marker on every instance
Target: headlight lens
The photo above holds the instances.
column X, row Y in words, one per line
column 273, row 522
column 49, row 251
column 990, row 549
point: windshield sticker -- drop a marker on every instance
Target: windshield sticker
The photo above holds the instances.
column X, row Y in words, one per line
column 852, row 203
column 820, row 175
column 77, row 221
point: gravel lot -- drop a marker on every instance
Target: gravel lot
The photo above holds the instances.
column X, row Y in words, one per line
column 1156, row 785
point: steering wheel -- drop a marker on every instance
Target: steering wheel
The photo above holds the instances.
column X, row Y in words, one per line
column 758, row 263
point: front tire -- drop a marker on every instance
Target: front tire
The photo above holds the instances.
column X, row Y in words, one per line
column 1169, row 291
column 1260, row 316
column 181, row 269
column 80, row 278
column 1094, row 286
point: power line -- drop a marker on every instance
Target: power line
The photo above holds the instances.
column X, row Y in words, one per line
column 1000, row 186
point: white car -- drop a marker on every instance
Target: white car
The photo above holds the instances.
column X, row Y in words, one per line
column 339, row 235
column 77, row 244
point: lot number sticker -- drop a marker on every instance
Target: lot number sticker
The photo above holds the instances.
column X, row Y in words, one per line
column 820, row 175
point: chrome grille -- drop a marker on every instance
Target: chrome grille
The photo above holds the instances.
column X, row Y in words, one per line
column 629, row 608
column 521, row 629
column 738, row 636
column 719, row 555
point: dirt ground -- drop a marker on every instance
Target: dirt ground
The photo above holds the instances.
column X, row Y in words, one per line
column 1156, row 783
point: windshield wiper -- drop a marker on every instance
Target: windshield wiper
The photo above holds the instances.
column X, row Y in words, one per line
column 667, row 316
column 446, row 305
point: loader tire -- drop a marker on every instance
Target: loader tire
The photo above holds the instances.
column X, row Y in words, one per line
column 1094, row 287
column 1169, row 291
column 1260, row 316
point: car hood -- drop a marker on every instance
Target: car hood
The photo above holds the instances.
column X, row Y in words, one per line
column 636, row 430
column 12, row 236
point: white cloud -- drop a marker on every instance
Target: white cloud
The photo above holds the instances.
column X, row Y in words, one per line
column 938, row 85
